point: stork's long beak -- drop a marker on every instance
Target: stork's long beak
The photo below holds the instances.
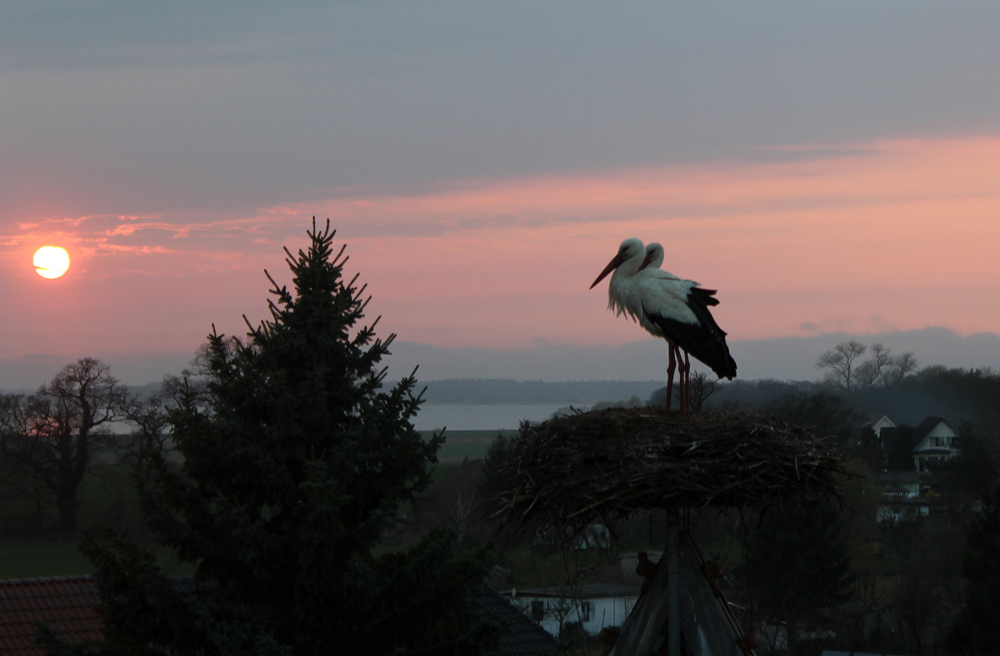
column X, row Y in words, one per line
column 612, row 265
column 645, row 262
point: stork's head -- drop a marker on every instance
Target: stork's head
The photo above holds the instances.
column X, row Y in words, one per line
column 654, row 256
column 630, row 249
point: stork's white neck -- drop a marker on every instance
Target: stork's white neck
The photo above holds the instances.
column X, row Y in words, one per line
column 621, row 289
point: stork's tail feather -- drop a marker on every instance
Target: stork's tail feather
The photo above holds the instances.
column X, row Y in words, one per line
column 704, row 341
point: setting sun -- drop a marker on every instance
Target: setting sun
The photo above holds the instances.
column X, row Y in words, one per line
column 51, row 261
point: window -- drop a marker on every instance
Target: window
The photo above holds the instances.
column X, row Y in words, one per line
column 537, row 611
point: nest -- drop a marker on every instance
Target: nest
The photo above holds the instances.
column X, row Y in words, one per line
column 573, row 470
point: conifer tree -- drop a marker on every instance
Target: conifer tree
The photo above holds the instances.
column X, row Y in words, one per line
column 976, row 629
column 294, row 463
column 798, row 563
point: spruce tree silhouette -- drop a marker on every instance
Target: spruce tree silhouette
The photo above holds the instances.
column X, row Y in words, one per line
column 294, row 463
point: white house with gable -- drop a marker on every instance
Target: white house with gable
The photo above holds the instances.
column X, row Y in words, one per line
column 937, row 440
column 595, row 605
column 878, row 424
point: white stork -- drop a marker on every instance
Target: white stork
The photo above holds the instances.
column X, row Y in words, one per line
column 668, row 307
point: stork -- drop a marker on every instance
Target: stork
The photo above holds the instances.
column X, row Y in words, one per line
column 654, row 259
column 668, row 307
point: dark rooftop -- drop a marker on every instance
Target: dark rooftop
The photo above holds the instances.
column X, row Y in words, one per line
column 522, row 637
column 69, row 604
column 927, row 425
column 66, row 603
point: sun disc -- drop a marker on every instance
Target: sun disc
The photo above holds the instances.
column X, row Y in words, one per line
column 51, row 261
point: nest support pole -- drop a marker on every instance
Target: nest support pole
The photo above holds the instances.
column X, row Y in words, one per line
column 673, row 584
column 586, row 467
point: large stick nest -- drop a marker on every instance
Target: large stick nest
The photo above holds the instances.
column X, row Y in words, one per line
column 575, row 469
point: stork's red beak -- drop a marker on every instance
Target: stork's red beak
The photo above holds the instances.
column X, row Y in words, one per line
column 612, row 265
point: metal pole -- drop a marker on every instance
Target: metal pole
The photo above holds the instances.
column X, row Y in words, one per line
column 673, row 585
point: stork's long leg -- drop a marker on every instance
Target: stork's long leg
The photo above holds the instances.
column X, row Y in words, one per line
column 670, row 376
column 685, row 383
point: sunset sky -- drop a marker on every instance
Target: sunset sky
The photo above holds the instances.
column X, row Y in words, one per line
column 829, row 168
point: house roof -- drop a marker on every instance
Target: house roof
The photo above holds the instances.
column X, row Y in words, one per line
column 871, row 420
column 522, row 637
column 586, row 591
column 69, row 604
column 66, row 603
column 927, row 425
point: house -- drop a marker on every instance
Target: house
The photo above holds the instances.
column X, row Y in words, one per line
column 71, row 606
column 522, row 637
column 904, row 492
column 937, row 440
column 595, row 605
column 902, row 497
column 881, row 428
column 877, row 424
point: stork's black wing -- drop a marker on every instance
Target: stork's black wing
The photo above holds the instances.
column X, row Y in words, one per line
column 704, row 340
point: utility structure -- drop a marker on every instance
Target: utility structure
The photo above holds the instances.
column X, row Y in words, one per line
column 568, row 472
column 671, row 308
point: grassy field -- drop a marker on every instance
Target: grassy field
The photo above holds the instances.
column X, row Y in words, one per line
column 39, row 558
column 107, row 499
column 471, row 444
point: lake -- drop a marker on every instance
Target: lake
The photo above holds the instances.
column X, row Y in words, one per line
column 482, row 417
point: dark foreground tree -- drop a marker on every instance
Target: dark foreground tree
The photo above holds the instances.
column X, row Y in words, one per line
column 824, row 413
column 798, row 564
column 294, row 463
column 976, row 630
column 55, row 432
column 971, row 473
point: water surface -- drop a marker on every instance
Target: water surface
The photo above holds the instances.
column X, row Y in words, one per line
column 482, row 417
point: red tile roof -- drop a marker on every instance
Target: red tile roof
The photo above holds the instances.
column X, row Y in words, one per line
column 66, row 603
column 69, row 605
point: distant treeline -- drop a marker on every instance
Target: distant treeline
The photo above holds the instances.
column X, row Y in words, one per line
column 956, row 394
column 492, row 390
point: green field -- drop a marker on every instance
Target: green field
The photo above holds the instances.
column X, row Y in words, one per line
column 105, row 498
column 471, row 444
column 22, row 559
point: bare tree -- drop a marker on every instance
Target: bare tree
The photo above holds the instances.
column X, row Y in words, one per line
column 841, row 362
column 149, row 437
column 900, row 367
column 460, row 508
column 847, row 370
column 56, row 431
column 701, row 388
column 871, row 373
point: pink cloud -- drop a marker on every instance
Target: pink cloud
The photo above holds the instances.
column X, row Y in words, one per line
column 901, row 234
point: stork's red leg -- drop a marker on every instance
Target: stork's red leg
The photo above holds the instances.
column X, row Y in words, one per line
column 670, row 377
column 685, row 387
